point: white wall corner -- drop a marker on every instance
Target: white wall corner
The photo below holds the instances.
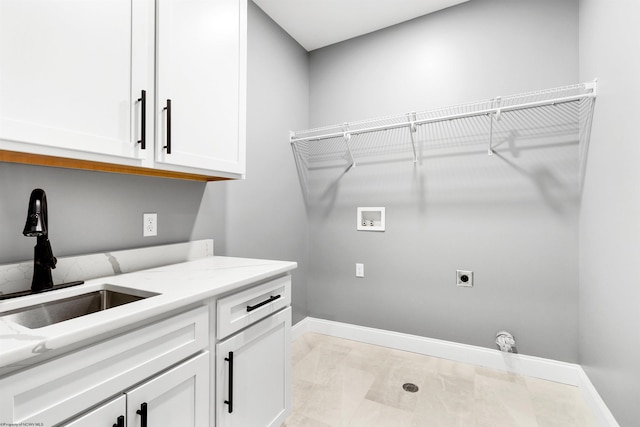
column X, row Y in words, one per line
column 301, row 328
column 595, row 402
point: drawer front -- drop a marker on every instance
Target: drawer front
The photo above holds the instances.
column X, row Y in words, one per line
column 56, row 390
column 240, row 310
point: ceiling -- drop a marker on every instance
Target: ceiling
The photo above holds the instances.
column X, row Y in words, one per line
column 318, row 23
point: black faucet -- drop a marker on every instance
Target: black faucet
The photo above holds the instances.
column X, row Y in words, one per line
column 37, row 226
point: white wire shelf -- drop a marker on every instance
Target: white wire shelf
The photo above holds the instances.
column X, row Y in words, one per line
column 559, row 111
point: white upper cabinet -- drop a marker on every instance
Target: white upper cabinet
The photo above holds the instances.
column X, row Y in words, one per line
column 72, row 74
column 68, row 83
column 201, row 72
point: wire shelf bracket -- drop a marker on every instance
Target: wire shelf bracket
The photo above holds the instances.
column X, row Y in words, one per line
column 496, row 117
column 413, row 128
column 347, row 137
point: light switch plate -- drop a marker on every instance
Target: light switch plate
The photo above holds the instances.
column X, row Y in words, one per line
column 359, row 270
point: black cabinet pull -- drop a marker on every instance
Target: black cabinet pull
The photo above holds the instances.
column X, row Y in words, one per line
column 260, row 304
column 230, row 401
column 143, row 120
column 168, row 108
column 143, row 414
column 120, row 422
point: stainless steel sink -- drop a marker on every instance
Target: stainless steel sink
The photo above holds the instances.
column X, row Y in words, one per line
column 48, row 313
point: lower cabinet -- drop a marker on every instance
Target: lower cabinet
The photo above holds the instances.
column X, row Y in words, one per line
column 178, row 397
column 111, row 413
column 254, row 374
column 165, row 373
column 165, row 364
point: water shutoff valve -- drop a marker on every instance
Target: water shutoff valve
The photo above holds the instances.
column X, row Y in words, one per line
column 370, row 219
column 505, row 342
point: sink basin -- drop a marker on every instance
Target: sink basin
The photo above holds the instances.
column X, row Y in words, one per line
column 59, row 310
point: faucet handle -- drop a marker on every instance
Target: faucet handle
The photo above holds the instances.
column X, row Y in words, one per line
column 44, row 254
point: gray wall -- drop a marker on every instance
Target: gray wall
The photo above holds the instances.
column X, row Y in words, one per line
column 610, row 212
column 265, row 216
column 93, row 211
column 511, row 218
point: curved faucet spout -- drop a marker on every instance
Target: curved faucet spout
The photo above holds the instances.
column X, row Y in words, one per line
column 37, row 222
column 37, row 226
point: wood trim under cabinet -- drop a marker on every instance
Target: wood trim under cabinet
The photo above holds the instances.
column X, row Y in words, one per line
column 63, row 162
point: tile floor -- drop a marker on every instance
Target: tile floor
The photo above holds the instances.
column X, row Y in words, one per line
column 338, row 382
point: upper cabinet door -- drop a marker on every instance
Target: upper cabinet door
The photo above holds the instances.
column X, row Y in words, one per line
column 68, row 85
column 201, row 70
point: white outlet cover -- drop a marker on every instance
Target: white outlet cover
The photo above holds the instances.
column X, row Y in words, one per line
column 149, row 224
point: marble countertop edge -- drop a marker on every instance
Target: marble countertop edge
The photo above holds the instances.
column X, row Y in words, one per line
column 178, row 286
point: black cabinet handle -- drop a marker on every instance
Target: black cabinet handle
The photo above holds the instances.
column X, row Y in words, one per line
column 143, row 414
column 168, row 108
column 230, row 401
column 143, row 119
column 120, row 421
column 260, row 304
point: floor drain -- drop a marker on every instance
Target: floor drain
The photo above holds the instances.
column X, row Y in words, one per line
column 411, row 388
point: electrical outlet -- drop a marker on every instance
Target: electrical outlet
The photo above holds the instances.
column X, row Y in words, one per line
column 464, row 278
column 149, row 224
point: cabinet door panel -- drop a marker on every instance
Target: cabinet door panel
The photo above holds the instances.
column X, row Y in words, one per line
column 261, row 374
column 66, row 77
column 106, row 415
column 200, row 68
column 178, row 397
column 55, row 390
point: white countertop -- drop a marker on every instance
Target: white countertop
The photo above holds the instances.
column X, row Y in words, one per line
column 178, row 286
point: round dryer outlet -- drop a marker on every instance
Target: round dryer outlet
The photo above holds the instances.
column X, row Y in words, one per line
column 464, row 278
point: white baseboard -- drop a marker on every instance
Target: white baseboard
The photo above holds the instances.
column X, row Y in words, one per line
column 547, row 369
column 595, row 402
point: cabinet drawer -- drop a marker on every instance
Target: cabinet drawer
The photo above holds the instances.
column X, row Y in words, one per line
column 54, row 391
column 239, row 310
